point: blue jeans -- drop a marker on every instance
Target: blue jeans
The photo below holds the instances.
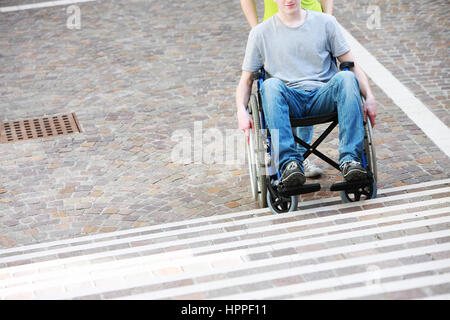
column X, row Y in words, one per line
column 306, row 134
column 341, row 93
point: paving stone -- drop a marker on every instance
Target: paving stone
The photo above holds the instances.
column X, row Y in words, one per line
column 287, row 281
column 391, row 248
column 208, row 278
column 416, row 259
column 221, row 292
column 440, row 289
column 317, row 275
column 283, row 252
column 372, row 297
column 192, row 296
column 407, row 294
column 440, row 255
column 443, row 240
column 255, row 286
column 330, row 258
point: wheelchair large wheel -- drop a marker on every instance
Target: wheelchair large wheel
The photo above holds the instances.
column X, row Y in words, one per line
column 282, row 204
column 252, row 166
column 369, row 149
column 368, row 192
column 259, row 153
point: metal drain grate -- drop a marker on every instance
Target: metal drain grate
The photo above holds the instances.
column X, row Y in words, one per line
column 52, row 126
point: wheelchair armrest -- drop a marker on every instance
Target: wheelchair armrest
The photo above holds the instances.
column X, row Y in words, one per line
column 346, row 65
column 309, row 121
column 257, row 75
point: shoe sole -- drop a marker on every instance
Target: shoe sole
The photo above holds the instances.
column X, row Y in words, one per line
column 294, row 179
column 355, row 175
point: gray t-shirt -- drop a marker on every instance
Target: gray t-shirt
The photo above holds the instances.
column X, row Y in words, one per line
column 301, row 57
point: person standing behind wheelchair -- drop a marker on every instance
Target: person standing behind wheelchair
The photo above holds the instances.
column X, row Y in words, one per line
column 298, row 47
column 271, row 8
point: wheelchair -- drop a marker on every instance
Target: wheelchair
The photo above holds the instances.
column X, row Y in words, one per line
column 264, row 177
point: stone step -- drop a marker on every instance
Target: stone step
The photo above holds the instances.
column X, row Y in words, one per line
column 382, row 193
column 370, row 283
column 276, row 292
column 271, row 269
column 196, row 225
column 216, row 233
column 252, row 256
column 159, row 260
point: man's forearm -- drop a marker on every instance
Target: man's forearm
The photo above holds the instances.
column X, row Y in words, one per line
column 327, row 6
column 364, row 86
column 243, row 93
column 242, row 96
column 249, row 9
column 369, row 106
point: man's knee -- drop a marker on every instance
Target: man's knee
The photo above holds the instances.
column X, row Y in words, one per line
column 272, row 95
column 346, row 78
column 272, row 85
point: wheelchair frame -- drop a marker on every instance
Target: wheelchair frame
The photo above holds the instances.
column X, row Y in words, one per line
column 264, row 178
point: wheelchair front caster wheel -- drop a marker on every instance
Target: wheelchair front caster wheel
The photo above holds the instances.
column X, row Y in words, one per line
column 282, row 204
column 364, row 193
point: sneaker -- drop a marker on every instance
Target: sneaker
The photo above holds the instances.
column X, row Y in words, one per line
column 311, row 170
column 353, row 171
column 292, row 175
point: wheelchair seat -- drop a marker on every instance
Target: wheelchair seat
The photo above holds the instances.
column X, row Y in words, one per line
column 313, row 120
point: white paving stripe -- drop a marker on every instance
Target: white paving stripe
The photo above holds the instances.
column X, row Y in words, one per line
column 205, row 220
column 137, row 231
column 325, row 201
column 146, row 264
column 386, row 287
column 414, row 186
column 303, row 233
column 423, row 117
column 222, row 235
column 240, row 280
column 120, row 284
column 364, row 277
column 322, row 239
column 70, row 263
column 281, row 273
column 43, row 267
column 40, row 5
column 272, row 275
column 258, row 219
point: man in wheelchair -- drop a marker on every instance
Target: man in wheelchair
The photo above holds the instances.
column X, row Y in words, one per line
column 297, row 49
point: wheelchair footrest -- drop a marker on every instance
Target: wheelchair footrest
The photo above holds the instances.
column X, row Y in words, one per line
column 350, row 186
column 293, row 191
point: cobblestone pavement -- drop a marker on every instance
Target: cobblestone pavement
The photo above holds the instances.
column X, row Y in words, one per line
column 412, row 41
column 136, row 73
